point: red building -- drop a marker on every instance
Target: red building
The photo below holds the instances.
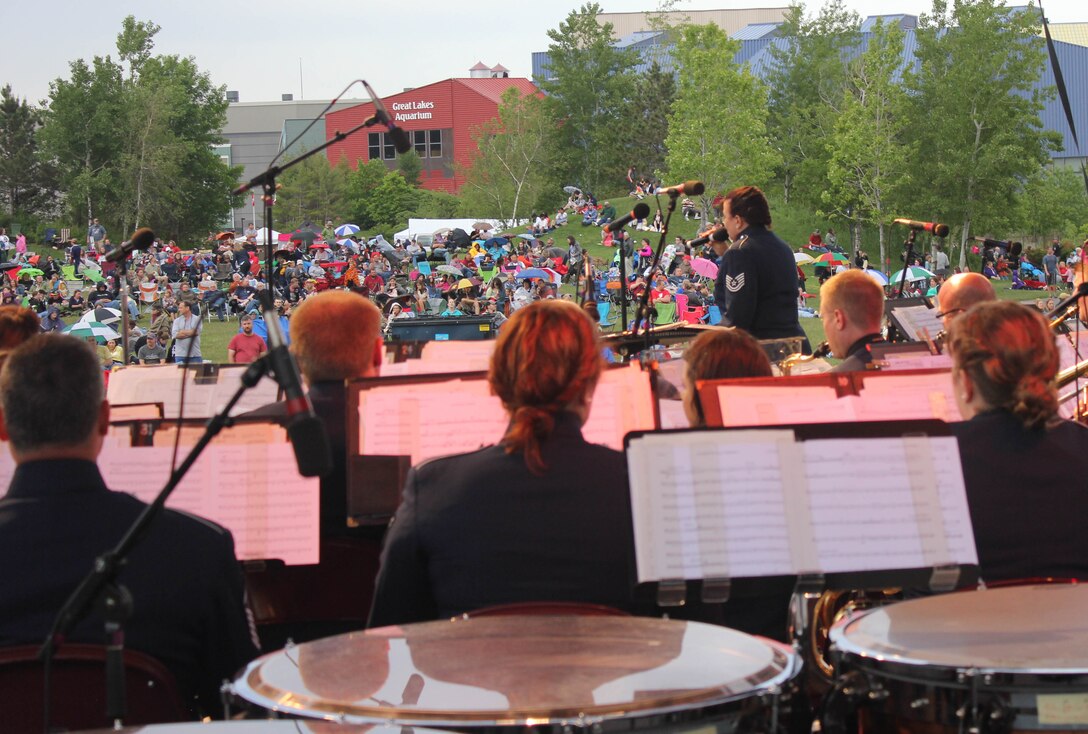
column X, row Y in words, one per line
column 439, row 119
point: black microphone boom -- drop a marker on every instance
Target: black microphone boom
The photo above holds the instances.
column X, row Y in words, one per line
column 688, row 188
column 400, row 138
column 940, row 230
column 641, row 211
column 142, row 239
column 304, row 428
column 718, row 234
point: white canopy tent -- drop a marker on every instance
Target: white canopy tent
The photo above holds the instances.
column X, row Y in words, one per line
column 430, row 226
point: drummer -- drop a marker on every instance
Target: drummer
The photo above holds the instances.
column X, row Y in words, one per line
column 542, row 515
column 1021, row 462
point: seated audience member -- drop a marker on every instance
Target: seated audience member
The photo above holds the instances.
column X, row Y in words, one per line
column 762, row 607
column 17, row 324
column 185, row 581
column 852, row 309
column 1020, row 460
column 541, row 516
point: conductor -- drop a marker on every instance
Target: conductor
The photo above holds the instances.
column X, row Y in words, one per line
column 756, row 288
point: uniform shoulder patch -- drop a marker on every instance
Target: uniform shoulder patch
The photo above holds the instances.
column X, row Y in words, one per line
column 734, row 283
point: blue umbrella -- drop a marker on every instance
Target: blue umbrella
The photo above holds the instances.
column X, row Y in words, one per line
column 533, row 273
column 496, row 242
column 346, row 229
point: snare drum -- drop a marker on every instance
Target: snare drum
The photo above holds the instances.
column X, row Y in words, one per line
column 561, row 672
column 1000, row 660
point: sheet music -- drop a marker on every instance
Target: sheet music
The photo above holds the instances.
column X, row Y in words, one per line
column 445, row 357
column 756, row 503
column 916, row 318
column 917, row 361
column 622, row 402
column 253, row 490
column 672, row 414
column 773, row 405
column 162, row 383
column 7, row 467
column 891, row 396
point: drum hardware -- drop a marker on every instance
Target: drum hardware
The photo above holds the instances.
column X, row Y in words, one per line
column 786, row 365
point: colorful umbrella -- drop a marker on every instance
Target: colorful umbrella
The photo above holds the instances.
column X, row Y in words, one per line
column 100, row 332
column 878, row 276
column 100, row 315
column 30, row 271
column 705, row 268
column 463, row 283
column 318, row 246
column 914, row 273
column 830, row 258
column 345, row 230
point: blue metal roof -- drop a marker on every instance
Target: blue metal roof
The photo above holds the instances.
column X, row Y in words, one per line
column 905, row 22
column 756, row 31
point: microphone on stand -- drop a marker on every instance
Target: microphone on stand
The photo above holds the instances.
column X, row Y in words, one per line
column 304, row 428
column 142, row 239
column 940, row 230
column 718, row 234
column 641, row 211
column 400, row 138
column 688, row 188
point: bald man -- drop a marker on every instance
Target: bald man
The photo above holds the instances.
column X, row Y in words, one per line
column 960, row 292
column 852, row 309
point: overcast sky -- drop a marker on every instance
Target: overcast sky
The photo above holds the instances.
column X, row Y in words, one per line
column 258, row 47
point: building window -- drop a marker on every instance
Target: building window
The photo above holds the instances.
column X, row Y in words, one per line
column 436, row 143
column 374, row 146
column 419, row 140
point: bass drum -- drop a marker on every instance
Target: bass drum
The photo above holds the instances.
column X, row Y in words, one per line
column 545, row 673
column 998, row 660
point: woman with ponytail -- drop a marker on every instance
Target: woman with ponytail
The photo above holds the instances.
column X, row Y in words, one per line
column 1022, row 464
column 540, row 516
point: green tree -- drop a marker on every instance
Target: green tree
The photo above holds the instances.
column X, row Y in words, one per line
column 807, row 80
column 313, row 191
column 411, row 167
column 644, row 124
column 26, row 181
column 361, row 185
column 510, row 171
column 977, row 132
column 392, row 202
column 868, row 160
column 717, row 124
column 588, row 81
column 1052, row 204
column 133, row 139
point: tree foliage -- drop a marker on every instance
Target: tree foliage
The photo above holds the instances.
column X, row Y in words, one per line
column 511, row 171
column 132, row 139
column 26, row 181
column 312, row 191
column 644, row 124
column 977, row 132
column 588, row 81
column 867, row 157
column 718, row 121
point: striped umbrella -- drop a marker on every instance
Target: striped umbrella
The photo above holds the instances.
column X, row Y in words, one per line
column 100, row 332
column 345, row 230
column 101, row 315
column 914, row 272
column 878, row 276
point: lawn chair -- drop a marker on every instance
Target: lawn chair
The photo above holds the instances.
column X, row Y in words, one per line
column 714, row 315
column 604, row 309
column 666, row 313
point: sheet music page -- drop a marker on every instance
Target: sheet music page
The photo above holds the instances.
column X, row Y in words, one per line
column 770, row 405
column 916, row 318
column 622, row 402
column 162, row 383
column 917, row 361
column 427, row 420
column 870, row 509
column 672, row 414
column 254, row 491
column 7, row 468
column 457, row 356
column 888, row 396
column 709, row 504
column 135, row 412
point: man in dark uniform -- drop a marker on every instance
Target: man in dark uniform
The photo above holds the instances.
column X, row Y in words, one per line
column 852, row 308
column 756, row 288
column 58, row 515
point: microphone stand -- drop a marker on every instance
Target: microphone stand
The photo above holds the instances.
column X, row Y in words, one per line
column 907, row 257
column 643, row 311
column 123, row 283
column 623, row 282
column 100, row 584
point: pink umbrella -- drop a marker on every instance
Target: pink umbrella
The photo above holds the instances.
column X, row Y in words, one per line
column 704, row 267
column 319, row 246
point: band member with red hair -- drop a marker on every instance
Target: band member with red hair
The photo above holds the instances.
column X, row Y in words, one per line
column 540, row 516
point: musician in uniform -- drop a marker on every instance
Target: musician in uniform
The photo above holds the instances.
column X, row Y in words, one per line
column 851, row 309
column 756, row 288
column 541, row 516
column 1028, row 500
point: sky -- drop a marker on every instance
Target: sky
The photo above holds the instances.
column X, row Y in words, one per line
column 315, row 48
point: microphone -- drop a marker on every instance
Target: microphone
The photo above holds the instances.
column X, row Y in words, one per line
column 304, row 428
column 718, row 234
column 688, row 188
column 400, row 138
column 142, row 239
column 940, row 230
column 987, row 242
column 641, row 211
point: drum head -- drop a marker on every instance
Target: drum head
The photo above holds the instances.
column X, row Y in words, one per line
column 1037, row 630
column 517, row 670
